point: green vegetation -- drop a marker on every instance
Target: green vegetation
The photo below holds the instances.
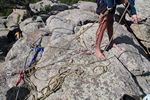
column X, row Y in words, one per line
column 5, row 12
column 74, row 1
column 6, row 6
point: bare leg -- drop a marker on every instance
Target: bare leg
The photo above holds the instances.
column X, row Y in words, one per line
column 110, row 31
column 99, row 36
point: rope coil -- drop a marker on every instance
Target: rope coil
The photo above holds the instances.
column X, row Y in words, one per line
column 55, row 82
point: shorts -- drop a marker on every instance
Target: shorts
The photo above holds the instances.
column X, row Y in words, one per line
column 102, row 7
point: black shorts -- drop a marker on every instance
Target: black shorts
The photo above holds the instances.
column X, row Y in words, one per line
column 102, row 7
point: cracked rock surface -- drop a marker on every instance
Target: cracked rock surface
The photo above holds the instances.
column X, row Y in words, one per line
column 68, row 68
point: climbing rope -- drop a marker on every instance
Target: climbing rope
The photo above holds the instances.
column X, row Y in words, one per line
column 26, row 70
column 21, row 76
column 147, row 51
column 145, row 48
column 111, row 39
column 55, row 82
column 59, row 78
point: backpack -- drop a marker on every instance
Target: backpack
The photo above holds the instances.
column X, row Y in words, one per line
column 98, row 2
column 101, row 6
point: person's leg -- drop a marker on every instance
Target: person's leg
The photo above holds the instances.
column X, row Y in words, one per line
column 99, row 36
column 110, row 31
column 110, row 22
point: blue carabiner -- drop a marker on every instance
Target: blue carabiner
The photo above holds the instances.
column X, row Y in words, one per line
column 36, row 51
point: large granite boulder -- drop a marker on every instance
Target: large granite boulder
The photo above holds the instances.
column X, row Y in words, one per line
column 41, row 6
column 87, row 6
column 71, row 73
column 30, row 25
column 48, row 6
column 68, row 68
column 15, row 18
column 59, row 26
column 79, row 17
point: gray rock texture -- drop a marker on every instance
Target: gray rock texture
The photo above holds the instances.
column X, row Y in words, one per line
column 68, row 69
column 73, row 15
column 15, row 17
column 143, row 13
column 87, row 6
column 48, row 6
column 42, row 6
column 2, row 21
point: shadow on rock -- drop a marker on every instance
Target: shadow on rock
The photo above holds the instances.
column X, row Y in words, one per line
column 144, row 74
column 128, row 40
column 22, row 93
column 6, row 42
column 5, row 46
column 127, row 97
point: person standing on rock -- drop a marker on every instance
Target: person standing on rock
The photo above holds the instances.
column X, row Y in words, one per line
column 106, row 10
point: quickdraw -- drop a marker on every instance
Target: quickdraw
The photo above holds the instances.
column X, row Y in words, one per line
column 38, row 49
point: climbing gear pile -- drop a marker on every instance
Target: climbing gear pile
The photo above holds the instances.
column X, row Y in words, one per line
column 55, row 82
column 26, row 69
